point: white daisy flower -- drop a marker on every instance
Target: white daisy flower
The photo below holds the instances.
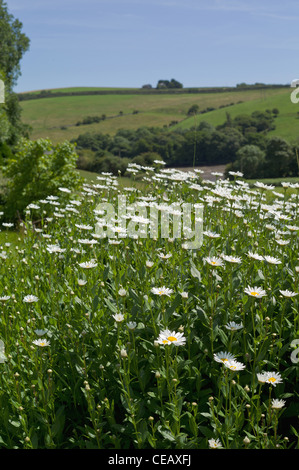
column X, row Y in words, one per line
column 234, row 365
column 184, row 295
column 282, row 242
column 162, row 291
column 162, row 256
column 277, row 404
column 288, row 293
column 257, row 292
column 224, row 357
column 214, row 444
column 272, row 260
column 40, row 332
column 232, row 259
column 261, row 185
column 214, row 261
column 149, row 264
column 236, row 173
column 262, row 377
column 292, row 228
column 88, row 265
column 30, row 299
column 255, row 256
column 167, row 337
column 122, row 292
column 233, row 326
column 41, row 342
column 118, row 317
column 272, row 378
column 211, row 234
column 84, row 227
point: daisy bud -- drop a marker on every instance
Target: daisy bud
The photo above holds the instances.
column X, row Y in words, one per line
column 246, row 440
column 123, row 353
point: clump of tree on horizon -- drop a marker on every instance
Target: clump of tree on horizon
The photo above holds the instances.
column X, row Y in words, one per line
column 169, row 84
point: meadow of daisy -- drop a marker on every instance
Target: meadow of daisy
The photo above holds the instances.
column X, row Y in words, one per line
column 139, row 342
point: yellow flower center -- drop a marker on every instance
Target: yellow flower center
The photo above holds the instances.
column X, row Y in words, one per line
column 272, row 379
column 254, row 293
column 172, row 338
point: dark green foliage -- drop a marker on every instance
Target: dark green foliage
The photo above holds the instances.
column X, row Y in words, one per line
column 169, row 84
column 37, row 170
column 231, row 144
column 14, row 43
column 193, row 110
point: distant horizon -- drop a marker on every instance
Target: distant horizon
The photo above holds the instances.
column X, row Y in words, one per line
column 140, row 87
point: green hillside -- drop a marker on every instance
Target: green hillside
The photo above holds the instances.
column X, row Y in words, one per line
column 56, row 117
column 286, row 123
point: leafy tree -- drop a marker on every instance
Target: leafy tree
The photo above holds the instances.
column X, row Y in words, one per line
column 193, row 110
column 36, row 171
column 120, row 146
column 250, row 160
column 111, row 164
column 279, row 158
column 146, row 159
column 169, row 84
column 13, row 45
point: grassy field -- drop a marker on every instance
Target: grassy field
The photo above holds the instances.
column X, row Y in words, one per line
column 137, row 340
column 56, row 118
column 287, row 122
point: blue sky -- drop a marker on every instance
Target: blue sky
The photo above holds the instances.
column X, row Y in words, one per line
column 129, row 43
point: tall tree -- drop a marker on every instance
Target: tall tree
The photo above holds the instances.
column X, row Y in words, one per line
column 13, row 45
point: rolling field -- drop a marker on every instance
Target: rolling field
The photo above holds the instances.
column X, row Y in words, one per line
column 55, row 118
column 287, row 122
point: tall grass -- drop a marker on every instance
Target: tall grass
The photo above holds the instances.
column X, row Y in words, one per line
column 121, row 343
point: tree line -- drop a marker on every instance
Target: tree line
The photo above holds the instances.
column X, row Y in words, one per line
column 242, row 143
